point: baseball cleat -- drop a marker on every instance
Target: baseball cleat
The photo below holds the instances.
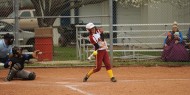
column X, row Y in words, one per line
column 85, row 79
column 113, row 79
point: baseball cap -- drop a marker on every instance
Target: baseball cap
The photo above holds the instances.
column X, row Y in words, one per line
column 90, row 25
column 175, row 23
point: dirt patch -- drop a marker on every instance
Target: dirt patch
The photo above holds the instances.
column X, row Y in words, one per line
column 131, row 81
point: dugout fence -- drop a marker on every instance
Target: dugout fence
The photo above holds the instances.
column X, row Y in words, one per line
column 132, row 41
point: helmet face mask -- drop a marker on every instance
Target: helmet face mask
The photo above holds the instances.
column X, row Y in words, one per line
column 17, row 50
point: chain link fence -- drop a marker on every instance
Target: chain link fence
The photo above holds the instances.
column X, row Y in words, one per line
column 139, row 26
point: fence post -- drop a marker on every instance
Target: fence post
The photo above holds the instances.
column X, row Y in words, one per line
column 111, row 29
column 77, row 44
column 16, row 26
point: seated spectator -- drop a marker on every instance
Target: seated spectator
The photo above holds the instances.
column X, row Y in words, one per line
column 188, row 35
column 188, row 39
column 174, row 47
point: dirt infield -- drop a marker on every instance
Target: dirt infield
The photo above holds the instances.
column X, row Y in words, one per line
column 131, row 81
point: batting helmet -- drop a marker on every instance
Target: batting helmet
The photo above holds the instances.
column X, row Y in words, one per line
column 90, row 25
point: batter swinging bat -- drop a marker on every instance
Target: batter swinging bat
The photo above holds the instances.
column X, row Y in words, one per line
column 90, row 57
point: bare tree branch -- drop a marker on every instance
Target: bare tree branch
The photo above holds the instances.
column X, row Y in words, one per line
column 57, row 8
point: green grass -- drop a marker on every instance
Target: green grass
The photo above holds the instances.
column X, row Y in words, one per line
column 64, row 53
column 152, row 64
column 153, row 53
column 67, row 54
column 59, row 65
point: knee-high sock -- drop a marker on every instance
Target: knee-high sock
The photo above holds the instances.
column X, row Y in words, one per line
column 90, row 72
column 110, row 73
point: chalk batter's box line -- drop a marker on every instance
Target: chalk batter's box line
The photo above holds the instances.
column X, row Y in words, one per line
column 75, row 87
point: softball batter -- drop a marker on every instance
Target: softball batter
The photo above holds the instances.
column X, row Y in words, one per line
column 96, row 38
